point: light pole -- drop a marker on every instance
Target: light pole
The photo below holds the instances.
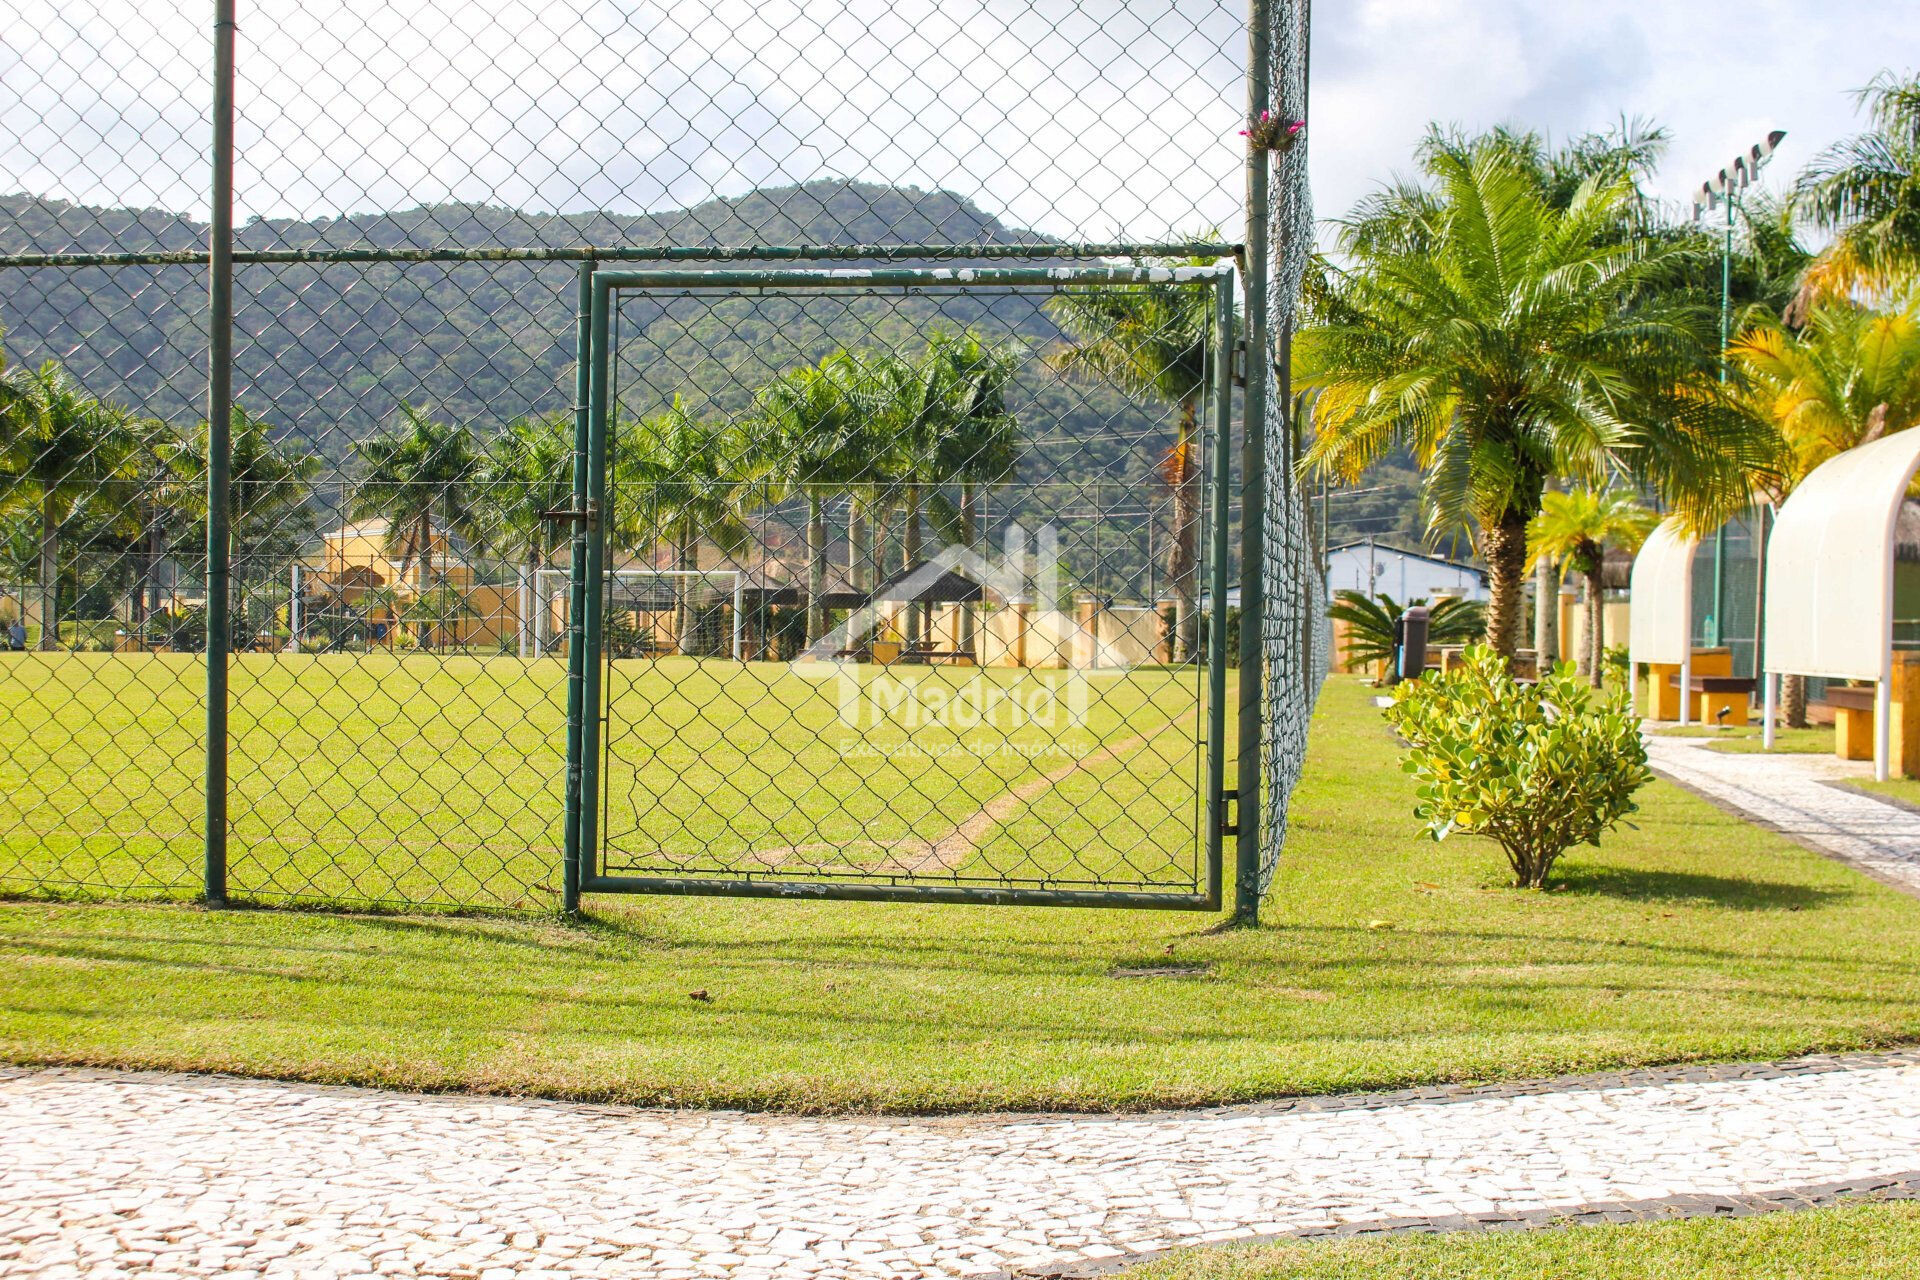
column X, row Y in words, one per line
column 1724, row 188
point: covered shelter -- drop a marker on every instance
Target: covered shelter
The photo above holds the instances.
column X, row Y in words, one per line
column 1660, row 626
column 1830, row 579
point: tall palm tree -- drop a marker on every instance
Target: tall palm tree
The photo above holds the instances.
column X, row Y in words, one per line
column 62, row 450
column 810, row 432
column 1866, row 191
column 269, row 484
column 1846, row 378
column 941, row 419
column 528, row 473
column 1504, row 342
column 1152, row 340
column 979, row 443
column 416, row 475
column 688, row 482
column 1575, row 530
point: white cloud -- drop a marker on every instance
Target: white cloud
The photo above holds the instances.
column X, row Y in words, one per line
column 1095, row 118
column 1719, row 75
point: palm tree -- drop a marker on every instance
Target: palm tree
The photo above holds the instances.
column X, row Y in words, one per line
column 1370, row 622
column 1866, row 191
column 940, row 418
column 1574, row 531
column 979, row 444
column 63, row 450
column 690, row 484
column 269, row 483
column 810, row 432
column 528, row 473
column 418, row 474
column 1152, row 340
column 1504, row 342
column 1845, row 379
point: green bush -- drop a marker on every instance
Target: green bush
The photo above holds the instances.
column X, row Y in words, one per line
column 1370, row 623
column 92, row 635
column 1535, row 768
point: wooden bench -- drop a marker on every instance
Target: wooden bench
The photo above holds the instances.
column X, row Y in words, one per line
column 1852, row 720
column 953, row 657
column 1723, row 700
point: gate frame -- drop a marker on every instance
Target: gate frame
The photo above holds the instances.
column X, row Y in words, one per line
column 585, row 629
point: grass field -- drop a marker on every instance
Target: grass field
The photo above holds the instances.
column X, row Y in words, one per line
column 1853, row 1242
column 438, row 780
column 1387, row 960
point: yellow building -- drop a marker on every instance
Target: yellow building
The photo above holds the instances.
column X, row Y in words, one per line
column 423, row 595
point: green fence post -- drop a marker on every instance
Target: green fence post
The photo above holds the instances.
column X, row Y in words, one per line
column 1253, row 429
column 219, row 447
column 1220, row 441
column 573, row 855
column 589, row 582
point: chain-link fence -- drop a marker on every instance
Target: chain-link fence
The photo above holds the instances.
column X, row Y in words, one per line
column 363, row 694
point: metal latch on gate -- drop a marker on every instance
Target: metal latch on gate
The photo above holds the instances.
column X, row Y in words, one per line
column 1238, row 364
column 1230, row 812
column 588, row 517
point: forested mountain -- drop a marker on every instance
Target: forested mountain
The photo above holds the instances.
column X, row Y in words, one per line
column 328, row 352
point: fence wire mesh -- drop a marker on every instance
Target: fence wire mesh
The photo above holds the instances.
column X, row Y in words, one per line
column 414, row 189
column 923, row 607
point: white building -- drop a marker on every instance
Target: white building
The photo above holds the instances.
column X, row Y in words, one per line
column 1374, row 568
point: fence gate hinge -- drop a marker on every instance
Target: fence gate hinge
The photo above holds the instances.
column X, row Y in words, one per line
column 1237, row 365
column 588, row 516
column 1230, row 812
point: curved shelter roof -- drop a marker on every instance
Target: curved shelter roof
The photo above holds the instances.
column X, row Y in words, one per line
column 1660, row 625
column 1830, row 563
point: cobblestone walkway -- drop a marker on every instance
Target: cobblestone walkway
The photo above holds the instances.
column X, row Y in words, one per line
column 109, row 1173
column 1794, row 793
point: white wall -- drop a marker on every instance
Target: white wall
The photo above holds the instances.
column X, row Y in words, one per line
column 1376, row 570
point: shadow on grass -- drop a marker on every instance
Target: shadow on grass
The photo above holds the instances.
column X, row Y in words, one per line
column 1734, row 893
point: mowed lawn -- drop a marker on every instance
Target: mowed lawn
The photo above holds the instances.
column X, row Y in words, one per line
column 1384, row 960
column 438, row 780
column 1865, row 1241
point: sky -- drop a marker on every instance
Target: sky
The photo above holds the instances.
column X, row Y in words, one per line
column 1718, row 75
column 1089, row 119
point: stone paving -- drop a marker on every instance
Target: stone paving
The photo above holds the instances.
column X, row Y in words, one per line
column 1795, row 794
column 105, row 1173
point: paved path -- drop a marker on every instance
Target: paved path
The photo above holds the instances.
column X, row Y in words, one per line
column 104, row 1172
column 1795, row 793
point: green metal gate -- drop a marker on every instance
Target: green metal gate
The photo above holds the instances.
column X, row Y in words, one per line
column 927, row 615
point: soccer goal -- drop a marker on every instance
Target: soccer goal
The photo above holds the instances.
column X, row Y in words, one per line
column 652, row 612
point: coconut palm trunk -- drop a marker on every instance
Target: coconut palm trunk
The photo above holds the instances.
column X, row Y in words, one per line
column 686, row 558
column 816, row 568
column 859, row 544
column 969, row 531
column 916, row 610
column 531, row 609
column 1546, row 611
column 1793, row 701
column 1596, row 637
column 150, row 569
column 49, row 574
column 1183, row 561
column 1506, row 551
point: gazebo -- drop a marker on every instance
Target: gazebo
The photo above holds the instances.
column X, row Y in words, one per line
column 1660, row 627
column 1830, row 581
